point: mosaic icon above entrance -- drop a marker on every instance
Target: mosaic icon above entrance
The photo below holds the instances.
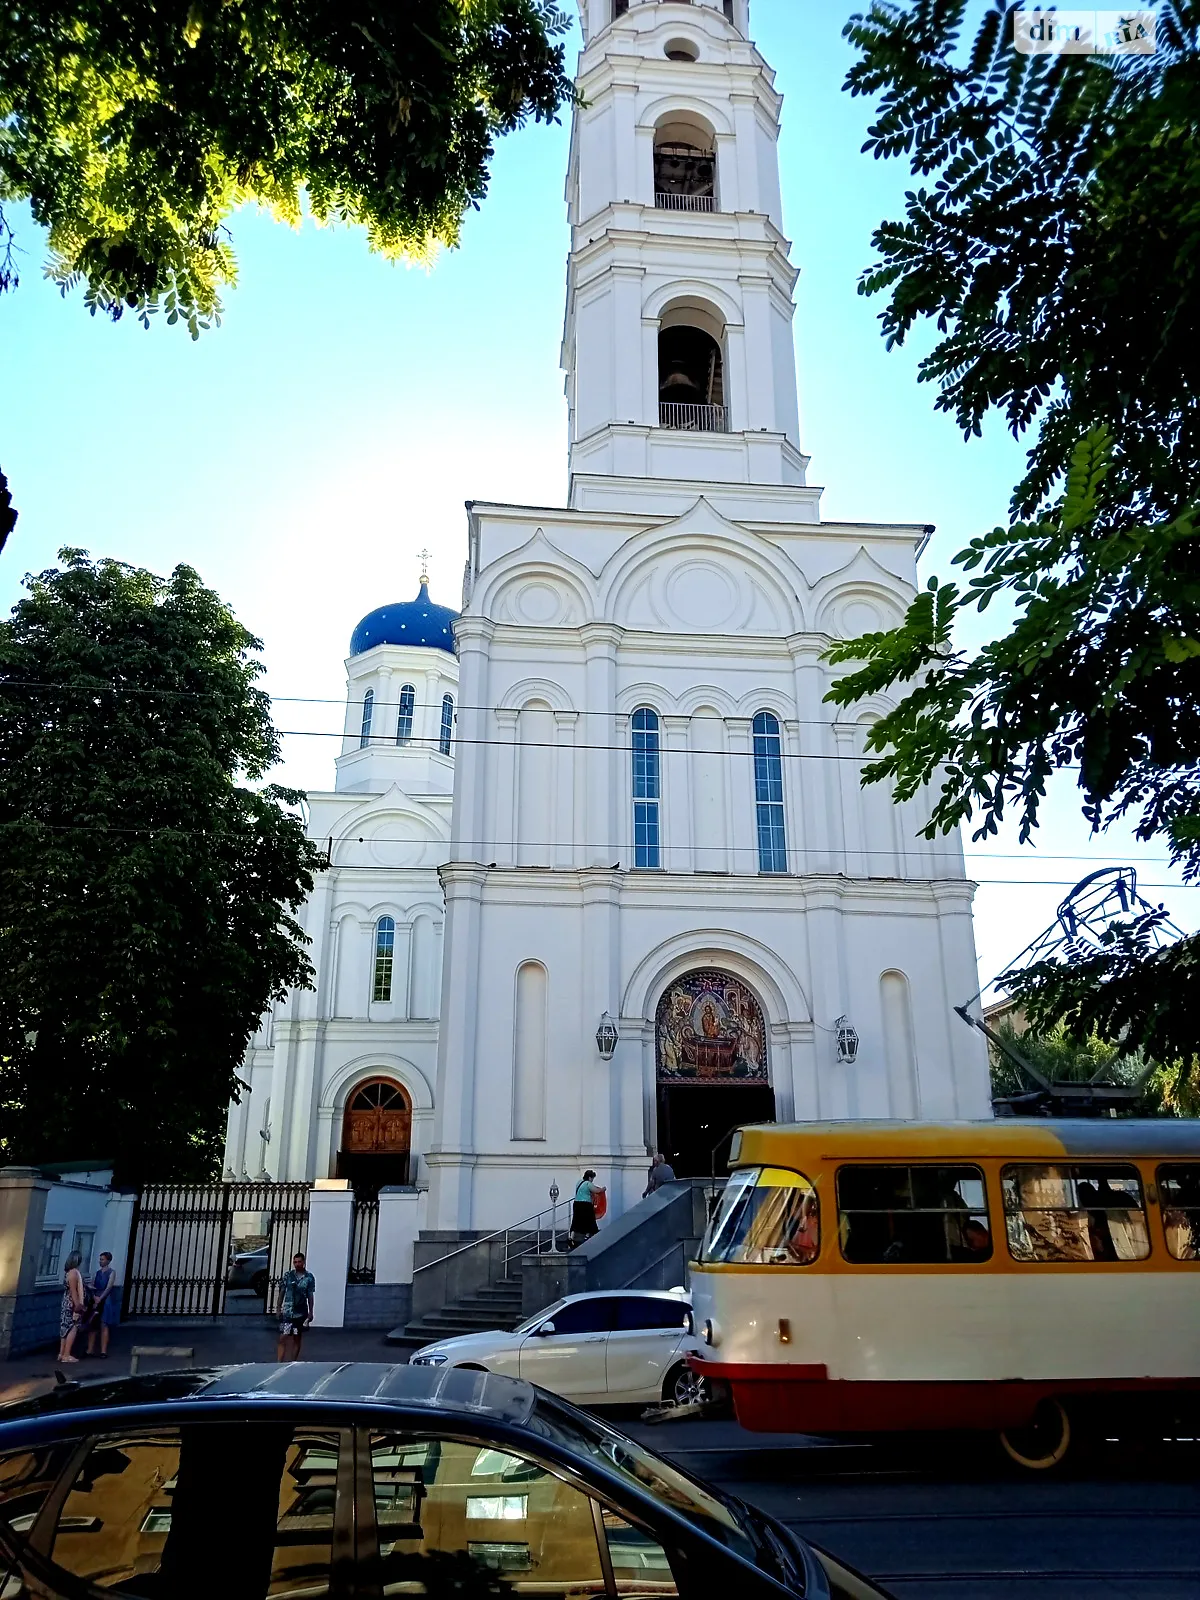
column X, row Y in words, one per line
column 710, row 1029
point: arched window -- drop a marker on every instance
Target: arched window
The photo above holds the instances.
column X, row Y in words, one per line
column 447, row 724
column 691, row 371
column 385, row 950
column 364, row 737
column 768, row 794
column 620, row 7
column 685, row 164
column 647, row 788
column 408, row 700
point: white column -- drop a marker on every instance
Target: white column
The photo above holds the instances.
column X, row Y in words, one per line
column 815, row 779
column 451, row 1157
column 863, row 857
column 473, row 636
column 676, row 776
column 402, row 972
column 398, row 1227
column 327, row 1256
column 606, row 766
column 628, row 390
column 564, row 788
column 501, row 838
column 602, row 1130
column 743, row 821
column 745, row 127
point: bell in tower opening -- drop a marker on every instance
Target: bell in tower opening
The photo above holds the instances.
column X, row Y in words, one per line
column 691, row 377
column 685, row 165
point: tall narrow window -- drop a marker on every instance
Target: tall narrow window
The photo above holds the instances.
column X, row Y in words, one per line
column 620, row 7
column 768, row 794
column 364, row 737
column 408, row 700
column 728, row 9
column 647, row 788
column 385, row 951
column 447, row 724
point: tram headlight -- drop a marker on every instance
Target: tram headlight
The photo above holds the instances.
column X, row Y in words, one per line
column 689, row 1324
column 712, row 1334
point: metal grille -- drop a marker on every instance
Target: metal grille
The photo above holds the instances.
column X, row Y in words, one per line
column 363, row 1242
column 664, row 200
column 693, row 419
column 183, row 1237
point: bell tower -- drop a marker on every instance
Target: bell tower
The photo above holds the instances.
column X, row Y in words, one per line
column 678, row 341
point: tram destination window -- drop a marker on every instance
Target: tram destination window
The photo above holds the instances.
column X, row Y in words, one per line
column 1179, row 1196
column 768, row 1216
column 1093, row 1212
column 920, row 1215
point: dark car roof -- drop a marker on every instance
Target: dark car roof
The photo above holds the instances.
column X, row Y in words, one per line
column 477, row 1394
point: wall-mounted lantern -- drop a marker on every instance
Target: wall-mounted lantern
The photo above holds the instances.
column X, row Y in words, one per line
column 847, row 1042
column 606, row 1037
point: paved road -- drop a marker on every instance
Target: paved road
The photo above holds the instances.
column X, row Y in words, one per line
column 946, row 1520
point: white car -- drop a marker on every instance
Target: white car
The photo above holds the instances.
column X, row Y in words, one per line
column 611, row 1347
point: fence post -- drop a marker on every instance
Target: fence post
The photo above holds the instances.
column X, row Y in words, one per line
column 23, row 1193
column 330, row 1221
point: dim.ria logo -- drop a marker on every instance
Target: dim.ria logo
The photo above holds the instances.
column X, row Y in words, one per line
column 1085, row 33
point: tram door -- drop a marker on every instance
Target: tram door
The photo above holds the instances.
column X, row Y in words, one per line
column 696, row 1123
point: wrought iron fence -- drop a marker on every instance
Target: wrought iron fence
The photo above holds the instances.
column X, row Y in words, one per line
column 184, row 1236
column 364, row 1241
column 665, row 200
column 693, row 419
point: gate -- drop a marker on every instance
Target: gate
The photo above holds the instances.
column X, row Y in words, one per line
column 184, row 1237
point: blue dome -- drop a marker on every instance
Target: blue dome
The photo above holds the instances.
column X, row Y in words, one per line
column 414, row 622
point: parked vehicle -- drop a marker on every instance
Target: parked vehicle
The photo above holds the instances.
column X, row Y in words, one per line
column 250, row 1269
column 338, row 1481
column 992, row 1275
column 612, row 1347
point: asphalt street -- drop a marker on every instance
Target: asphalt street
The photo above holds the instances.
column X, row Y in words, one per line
column 942, row 1517
column 945, row 1518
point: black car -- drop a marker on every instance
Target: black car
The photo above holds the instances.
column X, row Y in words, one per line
column 336, row 1480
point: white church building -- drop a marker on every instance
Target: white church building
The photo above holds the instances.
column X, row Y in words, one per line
column 602, row 878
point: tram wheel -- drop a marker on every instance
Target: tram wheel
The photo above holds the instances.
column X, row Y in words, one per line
column 1044, row 1442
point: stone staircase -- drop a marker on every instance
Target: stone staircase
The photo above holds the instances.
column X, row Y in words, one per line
column 497, row 1306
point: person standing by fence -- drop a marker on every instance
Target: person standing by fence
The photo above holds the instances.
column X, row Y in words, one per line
column 106, row 1309
column 74, row 1306
column 299, row 1288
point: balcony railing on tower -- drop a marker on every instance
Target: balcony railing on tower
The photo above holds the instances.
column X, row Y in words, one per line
column 693, row 419
column 669, row 201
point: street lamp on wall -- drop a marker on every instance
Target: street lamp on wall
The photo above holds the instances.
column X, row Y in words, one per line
column 606, row 1037
column 847, row 1042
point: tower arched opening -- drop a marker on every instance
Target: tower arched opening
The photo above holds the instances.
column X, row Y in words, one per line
column 685, row 164
column 691, row 371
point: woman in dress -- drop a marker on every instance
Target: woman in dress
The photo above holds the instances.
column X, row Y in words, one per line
column 583, row 1210
column 73, row 1303
column 105, row 1309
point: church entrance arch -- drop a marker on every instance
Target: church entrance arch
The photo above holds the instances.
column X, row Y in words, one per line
column 710, row 1042
column 376, row 1135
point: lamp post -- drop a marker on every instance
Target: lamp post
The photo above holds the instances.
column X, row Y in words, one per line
column 554, row 1194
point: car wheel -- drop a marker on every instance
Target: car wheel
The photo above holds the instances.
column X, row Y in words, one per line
column 685, row 1387
column 1044, row 1442
column 259, row 1284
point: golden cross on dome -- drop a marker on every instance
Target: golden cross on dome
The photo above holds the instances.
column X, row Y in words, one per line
column 423, row 558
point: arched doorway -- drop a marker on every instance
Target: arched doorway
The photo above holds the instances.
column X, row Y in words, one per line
column 376, row 1135
column 710, row 1039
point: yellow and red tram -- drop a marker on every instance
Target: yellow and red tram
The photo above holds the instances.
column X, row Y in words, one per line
column 867, row 1276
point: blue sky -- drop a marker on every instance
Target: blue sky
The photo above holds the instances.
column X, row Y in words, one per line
column 301, row 455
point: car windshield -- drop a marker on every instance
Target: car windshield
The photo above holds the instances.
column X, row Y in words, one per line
column 670, row 1487
column 543, row 1315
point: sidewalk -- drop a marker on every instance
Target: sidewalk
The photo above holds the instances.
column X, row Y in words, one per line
column 225, row 1341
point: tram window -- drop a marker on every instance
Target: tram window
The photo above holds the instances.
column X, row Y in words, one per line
column 1075, row 1213
column 1179, row 1196
column 922, row 1215
column 768, row 1216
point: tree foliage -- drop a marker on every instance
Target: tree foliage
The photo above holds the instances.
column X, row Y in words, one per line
column 135, row 127
column 146, row 889
column 1053, row 247
column 8, row 512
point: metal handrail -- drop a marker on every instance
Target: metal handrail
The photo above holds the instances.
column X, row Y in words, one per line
column 488, row 1238
column 693, row 418
column 669, row 200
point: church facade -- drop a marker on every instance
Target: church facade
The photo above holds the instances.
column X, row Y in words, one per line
column 602, row 875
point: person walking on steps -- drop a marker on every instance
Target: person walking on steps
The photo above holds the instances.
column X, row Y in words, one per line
column 661, row 1171
column 588, row 1205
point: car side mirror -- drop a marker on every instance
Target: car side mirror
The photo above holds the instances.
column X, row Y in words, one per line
column 545, row 1329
